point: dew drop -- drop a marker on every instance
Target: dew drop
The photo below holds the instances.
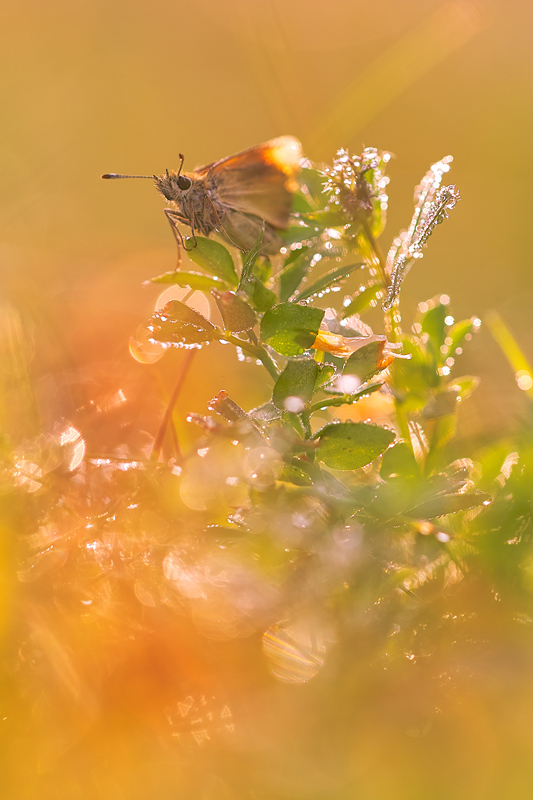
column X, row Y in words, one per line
column 524, row 380
column 294, row 404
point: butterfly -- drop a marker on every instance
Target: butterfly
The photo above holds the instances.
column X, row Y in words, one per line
column 235, row 197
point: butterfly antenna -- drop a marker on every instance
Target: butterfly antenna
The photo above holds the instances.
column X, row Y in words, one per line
column 182, row 159
column 114, row 175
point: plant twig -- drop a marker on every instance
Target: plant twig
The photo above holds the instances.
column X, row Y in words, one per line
column 158, row 441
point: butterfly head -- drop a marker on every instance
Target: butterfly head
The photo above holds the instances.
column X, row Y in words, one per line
column 172, row 185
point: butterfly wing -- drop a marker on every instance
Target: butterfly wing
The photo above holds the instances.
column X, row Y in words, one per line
column 259, row 181
column 242, row 231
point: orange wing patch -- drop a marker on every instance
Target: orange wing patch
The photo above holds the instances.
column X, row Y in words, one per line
column 261, row 180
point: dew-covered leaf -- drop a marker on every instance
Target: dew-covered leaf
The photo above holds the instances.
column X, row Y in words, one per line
column 464, row 386
column 361, row 301
column 327, row 218
column 341, row 398
column 326, row 373
column 265, row 414
column 297, row 234
column 366, row 361
column 433, row 324
column 297, row 381
column 223, row 404
column 350, row 445
column 236, row 313
column 293, row 274
column 179, row 325
column 213, row 257
column 291, row 328
column 193, row 280
column 459, row 332
column 294, row 254
column 261, row 296
column 293, row 474
column 313, row 181
column 329, row 279
column 448, row 504
column 249, row 259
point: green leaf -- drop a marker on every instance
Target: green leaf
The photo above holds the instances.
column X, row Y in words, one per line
column 350, row 445
column 313, row 180
column 236, row 313
column 399, row 462
column 442, row 404
column 330, row 218
column 298, row 379
column 261, row 297
column 249, row 259
column 361, row 301
column 418, row 375
column 223, row 405
column 294, row 254
column 448, row 504
column 297, row 234
column 265, row 414
column 433, row 325
column 292, row 474
column 177, row 324
column 300, row 205
column 291, row 328
column 213, row 257
column 327, row 372
column 293, row 274
column 194, row 280
column 328, row 280
column 464, row 386
column 364, row 362
column 344, row 399
column 459, row 332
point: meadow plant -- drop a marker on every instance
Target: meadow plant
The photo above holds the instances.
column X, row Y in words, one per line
column 321, row 595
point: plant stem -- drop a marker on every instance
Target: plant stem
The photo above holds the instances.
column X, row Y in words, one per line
column 158, row 441
column 253, row 350
column 392, row 316
column 377, row 253
column 306, row 425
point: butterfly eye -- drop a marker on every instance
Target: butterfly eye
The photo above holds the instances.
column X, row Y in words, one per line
column 184, row 183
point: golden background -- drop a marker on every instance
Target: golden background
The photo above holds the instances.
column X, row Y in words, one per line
column 107, row 85
column 91, row 87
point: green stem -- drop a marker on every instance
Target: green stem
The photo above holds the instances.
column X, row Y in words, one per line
column 377, row 253
column 255, row 351
column 306, row 425
column 392, row 316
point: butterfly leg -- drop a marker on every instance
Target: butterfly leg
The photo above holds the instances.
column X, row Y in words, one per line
column 174, row 218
